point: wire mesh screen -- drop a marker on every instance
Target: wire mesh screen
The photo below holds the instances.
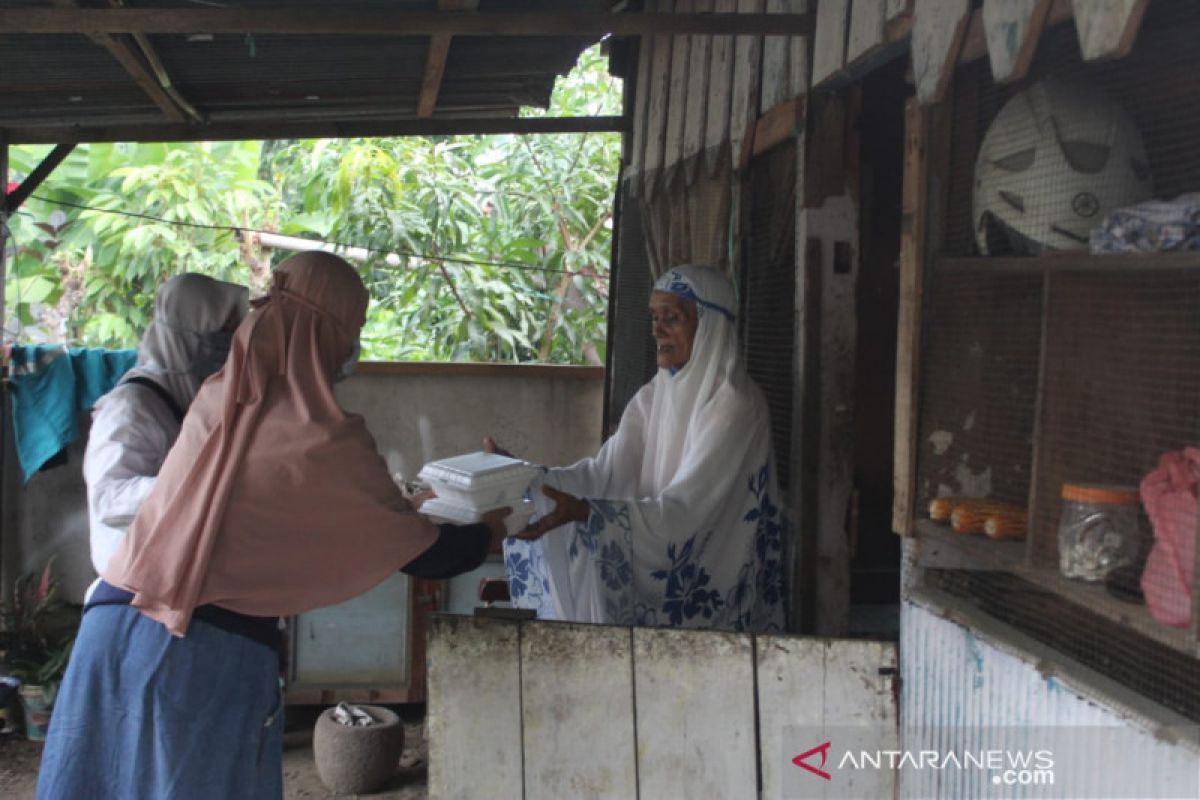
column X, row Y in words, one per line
column 1037, row 166
column 769, row 291
column 1060, row 384
column 977, row 405
column 633, row 360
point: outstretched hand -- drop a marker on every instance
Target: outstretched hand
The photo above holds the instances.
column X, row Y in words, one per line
column 567, row 508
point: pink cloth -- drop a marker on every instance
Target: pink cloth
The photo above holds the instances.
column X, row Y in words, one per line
column 1169, row 497
column 273, row 500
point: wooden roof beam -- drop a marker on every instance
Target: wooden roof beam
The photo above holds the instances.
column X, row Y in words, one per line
column 135, row 67
column 358, row 21
column 435, row 61
column 309, row 129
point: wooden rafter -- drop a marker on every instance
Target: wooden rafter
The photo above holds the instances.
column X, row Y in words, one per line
column 150, row 77
column 34, row 179
column 435, row 61
column 237, row 131
column 358, row 21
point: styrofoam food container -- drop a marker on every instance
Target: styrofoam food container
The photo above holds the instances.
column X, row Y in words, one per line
column 447, row 511
column 479, row 481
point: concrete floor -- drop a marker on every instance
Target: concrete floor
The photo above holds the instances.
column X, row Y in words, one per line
column 19, row 764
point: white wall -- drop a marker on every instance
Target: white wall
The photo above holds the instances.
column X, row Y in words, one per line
column 417, row 412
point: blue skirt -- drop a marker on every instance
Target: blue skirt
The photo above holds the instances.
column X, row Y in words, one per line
column 143, row 714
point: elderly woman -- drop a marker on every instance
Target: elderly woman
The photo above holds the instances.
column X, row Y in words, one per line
column 134, row 425
column 674, row 521
column 273, row 501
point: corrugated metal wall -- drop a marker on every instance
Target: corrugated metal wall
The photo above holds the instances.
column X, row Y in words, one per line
column 957, row 684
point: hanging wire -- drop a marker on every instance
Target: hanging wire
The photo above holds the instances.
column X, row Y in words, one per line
column 237, row 230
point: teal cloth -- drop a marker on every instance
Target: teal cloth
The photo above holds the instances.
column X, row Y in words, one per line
column 51, row 385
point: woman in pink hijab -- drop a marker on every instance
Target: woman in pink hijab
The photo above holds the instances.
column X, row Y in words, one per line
column 272, row 502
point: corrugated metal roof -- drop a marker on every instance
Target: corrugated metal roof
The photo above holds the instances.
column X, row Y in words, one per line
column 74, row 83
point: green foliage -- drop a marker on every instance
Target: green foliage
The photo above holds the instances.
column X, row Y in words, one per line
column 472, row 239
column 37, row 631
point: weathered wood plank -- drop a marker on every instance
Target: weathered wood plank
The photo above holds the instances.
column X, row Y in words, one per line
column 798, row 53
column 898, row 8
column 776, row 67
column 678, row 100
column 577, row 698
column 720, row 89
column 938, row 28
column 829, row 45
column 908, row 329
column 1012, row 29
column 641, row 114
column 815, row 690
column 435, row 59
column 1107, row 28
column 698, row 95
column 779, row 124
column 659, row 95
column 695, row 714
column 474, row 708
column 868, row 21
column 744, row 103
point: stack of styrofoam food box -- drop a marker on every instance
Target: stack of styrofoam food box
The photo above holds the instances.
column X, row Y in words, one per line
column 466, row 486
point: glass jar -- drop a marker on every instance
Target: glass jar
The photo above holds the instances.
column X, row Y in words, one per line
column 1098, row 529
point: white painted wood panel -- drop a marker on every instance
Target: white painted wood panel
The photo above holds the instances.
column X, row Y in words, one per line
column 1107, row 28
column 938, row 28
column 474, row 708
column 747, row 54
column 829, row 42
column 577, row 701
column 720, row 89
column 656, row 120
column 867, row 21
column 776, row 74
column 1012, row 29
column 695, row 714
column 678, row 101
column 698, row 94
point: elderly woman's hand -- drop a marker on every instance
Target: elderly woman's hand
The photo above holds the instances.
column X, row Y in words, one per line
column 490, row 446
column 567, row 508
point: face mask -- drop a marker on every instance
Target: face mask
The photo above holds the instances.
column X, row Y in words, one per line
column 347, row 367
column 211, row 355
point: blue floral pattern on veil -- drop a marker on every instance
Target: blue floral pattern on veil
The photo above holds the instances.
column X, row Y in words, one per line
column 675, row 283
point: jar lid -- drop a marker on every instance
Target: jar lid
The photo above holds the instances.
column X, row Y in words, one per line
column 1100, row 493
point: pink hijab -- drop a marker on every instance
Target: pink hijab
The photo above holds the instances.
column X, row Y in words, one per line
column 273, row 500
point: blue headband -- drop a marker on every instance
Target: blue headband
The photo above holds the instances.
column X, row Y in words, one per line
column 677, row 284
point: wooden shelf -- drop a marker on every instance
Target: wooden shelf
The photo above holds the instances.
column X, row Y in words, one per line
column 1071, row 262
column 1096, row 599
column 942, row 548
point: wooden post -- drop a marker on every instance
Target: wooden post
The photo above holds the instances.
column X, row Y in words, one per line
column 908, row 333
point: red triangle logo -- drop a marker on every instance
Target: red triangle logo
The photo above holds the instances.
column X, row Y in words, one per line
column 823, row 749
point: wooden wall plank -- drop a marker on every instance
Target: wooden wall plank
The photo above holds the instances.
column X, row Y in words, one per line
column 641, row 114
column 659, row 95
column 695, row 714
column 1107, row 28
column 1012, row 29
column 678, row 101
column 577, row 697
column 776, row 74
column 868, row 20
column 908, row 329
column 829, row 44
column 720, row 88
column 799, row 53
column 897, row 8
column 698, row 95
column 844, row 689
column 747, row 56
column 938, row 28
column 474, row 708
